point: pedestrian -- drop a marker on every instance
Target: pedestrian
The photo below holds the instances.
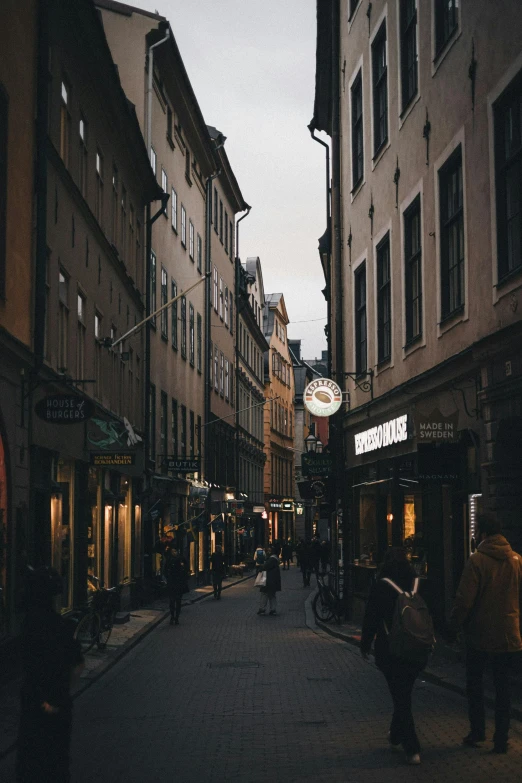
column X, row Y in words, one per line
column 177, row 582
column 298, row 549
column 273, row 583
column 324, row 556
column 286, row 553
column 259, row 558
column 400, row 673
column 306, row 563
column 51, row 660
column 487, row 607
column 315, row 556
column 217, row 563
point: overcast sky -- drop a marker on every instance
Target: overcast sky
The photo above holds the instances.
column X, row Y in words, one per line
column 252, row 67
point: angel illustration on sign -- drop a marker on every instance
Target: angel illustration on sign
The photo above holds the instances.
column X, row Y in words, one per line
column 109, row 428
column 132, row 437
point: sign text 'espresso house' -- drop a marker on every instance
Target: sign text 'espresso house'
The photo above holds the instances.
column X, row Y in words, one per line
column 386, row 434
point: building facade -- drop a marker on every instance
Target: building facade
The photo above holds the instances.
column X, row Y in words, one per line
column 279, row 422
column 423, row 108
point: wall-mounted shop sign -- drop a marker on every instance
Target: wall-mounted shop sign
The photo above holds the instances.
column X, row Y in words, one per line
column 183, row 464
column 275, row 504
column 64, row 409
column 386, row 434
column 110, row 433
column 436, row 427
column 258, row 509
column 108, row 458
column 316, row 464
column 323, row 397
column 318, row 489
column 288, row 505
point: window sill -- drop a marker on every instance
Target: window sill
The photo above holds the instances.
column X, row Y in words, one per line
column 380, row 153
column 445, row 320
column 164, row 337
column 409, row 109
column 357, row 188
column 509, row 277
column 184, row 357
column 188, row 180
column 174, row 347
column 448, row 45
column 384, row 364
column 184, row 245
column 174, row 229
column 413, row 342
column 170, row 141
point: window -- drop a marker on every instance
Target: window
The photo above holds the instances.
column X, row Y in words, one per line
column 191, row 240
column 220, row 221
column 173, row 294
column 4, row 105
column 191, row 433
column 114, row 205
column 360, row 319
column 153, row 160
column 187, row 165
column 164, row 430
column 216, row 368
column 98, row 374
column 98, row 205
column 132, row 239
column 413, row 271
column 353, row 7
column 80, row 338
column 446, row 22
column 191, row 335
column 508, row 173
column 231, row 240
column 221, row 374
column 451, row 235
column 174, row 428
column 199, row 252
column 215, row 289
column 169, row 125
column 380, row 90
column 152, row 298
column 123, row 221
column 183, row 443
column 199, row 337
column 383, row 300
column 174, row 210
column 198, row 436
column 408, row 33
column 164, row 318
column 231, row 313
column 82, row 156
column 65, row 121
column 227, row 379
column 221, row 298
column 164, row 186
column 211, row 364
column 183, row 226
column 152, row 422
column 226, row 231
column 215, row 210
column 357, row 132
column 184, row 327
column 63, row 321
column 226, row 305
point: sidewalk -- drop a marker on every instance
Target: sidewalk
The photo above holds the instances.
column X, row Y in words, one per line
column 123, row 638
column 446, row 667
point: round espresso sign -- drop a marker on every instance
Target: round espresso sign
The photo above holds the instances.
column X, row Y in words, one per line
column 323, row 397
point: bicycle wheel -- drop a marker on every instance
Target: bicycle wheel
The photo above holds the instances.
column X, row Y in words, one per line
column 106, row 623
column 321, row 610
column 87, row 631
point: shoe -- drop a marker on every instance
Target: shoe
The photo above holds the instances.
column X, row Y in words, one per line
column 472, row 741
column 172, row 621
column 499, row 749
column 413, row 759
column 393, row 745
column 260, row 611
column 272, row 612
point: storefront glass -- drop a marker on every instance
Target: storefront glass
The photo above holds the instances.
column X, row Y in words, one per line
column 93, row 531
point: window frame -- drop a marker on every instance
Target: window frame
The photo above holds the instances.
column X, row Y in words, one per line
column 183, row 227
column 380, row 83
column 174, row 209
column 442, row 37
column 360, row 318
column 192, row 347
column 408, row 36
column 446, row 224
column 357, row 129
column 191, row 240
column 174, row 314
column 412, row 259
column 164, row 315
column 384, row 300
column 152, row 292
column 183, row 318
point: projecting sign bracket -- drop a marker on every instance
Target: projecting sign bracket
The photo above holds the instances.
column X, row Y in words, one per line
column 363, row 380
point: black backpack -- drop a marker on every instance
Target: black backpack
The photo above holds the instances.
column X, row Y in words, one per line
column 411, row 636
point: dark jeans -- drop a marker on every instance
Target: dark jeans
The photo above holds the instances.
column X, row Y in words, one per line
column 306, row 572
column 217, row 581
column 286, row 563
column 401, row 676
column 43, row 745
column 500, row 663
column 175, row 605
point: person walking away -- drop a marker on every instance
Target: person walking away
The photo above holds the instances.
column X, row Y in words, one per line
column 286, row 552
column 315, row 556
column 217, row 564
column 306, row 563
column 51, row 660
column 324, row 555
column 487, row 607
column 259, row 558
column 177, row 582
column 298, row 549
column 400, row 673
column 273, row 584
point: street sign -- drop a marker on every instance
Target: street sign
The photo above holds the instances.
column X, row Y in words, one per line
column 64, row 409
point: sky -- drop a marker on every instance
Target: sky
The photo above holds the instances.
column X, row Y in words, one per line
column 252, row 67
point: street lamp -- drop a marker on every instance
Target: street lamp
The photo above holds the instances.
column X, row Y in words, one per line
column 319, row 448
column 311, row 444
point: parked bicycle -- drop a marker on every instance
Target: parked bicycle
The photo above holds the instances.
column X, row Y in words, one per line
column 95, row 626
column 327, row 604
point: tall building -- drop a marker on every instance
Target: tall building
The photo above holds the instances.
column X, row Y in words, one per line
column 423, row 104
column 279, row 422
column 251, row 348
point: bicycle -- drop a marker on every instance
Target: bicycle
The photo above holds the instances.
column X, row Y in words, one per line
column 326, row 605
column 95, row 626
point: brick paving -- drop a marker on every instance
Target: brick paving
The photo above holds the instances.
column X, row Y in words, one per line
column 230, row 696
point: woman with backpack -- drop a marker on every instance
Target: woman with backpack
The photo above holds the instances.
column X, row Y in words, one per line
column 398, row 654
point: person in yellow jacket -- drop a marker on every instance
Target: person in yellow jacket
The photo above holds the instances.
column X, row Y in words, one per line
column 487, row 607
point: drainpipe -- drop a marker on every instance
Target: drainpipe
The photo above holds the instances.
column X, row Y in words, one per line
column 148, row 138
column 42, row 101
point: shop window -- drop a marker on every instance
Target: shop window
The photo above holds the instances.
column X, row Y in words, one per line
column 124, row 529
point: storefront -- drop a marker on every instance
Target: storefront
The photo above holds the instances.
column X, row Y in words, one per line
column 413, row 482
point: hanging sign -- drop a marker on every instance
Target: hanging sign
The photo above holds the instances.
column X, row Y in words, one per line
column 323, row 397
column 183, row 464
column 64, row 409
column 108, row 458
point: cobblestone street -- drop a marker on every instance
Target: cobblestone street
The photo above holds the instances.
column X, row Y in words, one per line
column 230, row 696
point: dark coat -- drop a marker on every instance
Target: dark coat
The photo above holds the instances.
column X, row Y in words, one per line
column 177, row 576
column 273, row 575
column 217, row 561
column 379, row 610
column 286, row 551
